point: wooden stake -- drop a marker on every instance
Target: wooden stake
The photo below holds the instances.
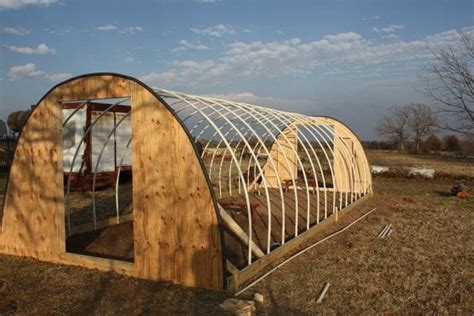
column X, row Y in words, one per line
column 323, row 293
column 383, row 230
column 387, row 230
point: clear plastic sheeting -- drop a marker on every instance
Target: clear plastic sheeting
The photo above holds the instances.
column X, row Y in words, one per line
column 285, row 170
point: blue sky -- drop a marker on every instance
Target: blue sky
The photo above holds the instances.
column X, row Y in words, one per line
column 347, row 59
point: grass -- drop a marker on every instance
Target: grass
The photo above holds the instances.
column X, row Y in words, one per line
column 425, row 266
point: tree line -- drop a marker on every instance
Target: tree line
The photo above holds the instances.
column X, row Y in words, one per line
column 449, row 83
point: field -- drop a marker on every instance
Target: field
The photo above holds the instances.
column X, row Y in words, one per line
column 447, row 165
column 425, row 266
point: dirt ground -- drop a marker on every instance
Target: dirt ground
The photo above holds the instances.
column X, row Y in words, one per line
column 425, row 266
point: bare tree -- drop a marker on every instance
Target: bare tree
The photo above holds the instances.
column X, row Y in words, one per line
column 433, row 143
column 451, row 143
column 449, row 81
column 421, row 121
column 394, row 126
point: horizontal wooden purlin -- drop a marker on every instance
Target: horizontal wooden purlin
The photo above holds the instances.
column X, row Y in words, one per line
column 98, row 107
column 259, row 267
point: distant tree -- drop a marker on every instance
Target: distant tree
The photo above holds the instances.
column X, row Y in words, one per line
column 449, row 80
column 451, row 143
column 421, row 122
column 433, row 143
column 467, row 146
column 16, row 120
column 374, row 144
column 3, row 129
column 394, row 126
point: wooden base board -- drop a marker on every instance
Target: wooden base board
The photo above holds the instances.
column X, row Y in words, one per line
column 239, row 279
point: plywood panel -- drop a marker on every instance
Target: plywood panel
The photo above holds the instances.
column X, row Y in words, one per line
column 175, row 220
column 283, row 152
column 347, row 142
column 34, row 195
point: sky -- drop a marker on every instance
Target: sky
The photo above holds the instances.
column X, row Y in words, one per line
column 351, row 60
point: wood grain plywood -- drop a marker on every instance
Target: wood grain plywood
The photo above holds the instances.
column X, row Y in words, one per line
column 31, row 209
column 175, row 220
column 283, row 152
column 359, row 164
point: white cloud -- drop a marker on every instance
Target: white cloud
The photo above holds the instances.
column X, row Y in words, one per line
column 128, row 60
column 14, row 30
column 41, row 49
column 388, row 31
column 294, row 57
column 154, row 78
column 31, row 71
column 185, row 45
column 121, row 30
column 216, row 31
column 17, row 4
column 131, row 30
column 58, row 77
column 107, row 27
column 343, row 37
column 24, row 71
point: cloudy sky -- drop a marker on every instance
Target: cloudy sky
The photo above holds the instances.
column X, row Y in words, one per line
column 347, row 59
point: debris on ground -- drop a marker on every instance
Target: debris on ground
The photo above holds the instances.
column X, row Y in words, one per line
column 257, row 297
column 421, row 172
column 386, row 231
column 460, row 189
column 378, row 169
column 323, row 293
column 239, row 307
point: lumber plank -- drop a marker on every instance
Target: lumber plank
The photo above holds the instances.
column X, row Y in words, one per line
column 239, row 232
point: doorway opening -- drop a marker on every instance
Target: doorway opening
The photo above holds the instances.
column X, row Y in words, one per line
column 97, row 168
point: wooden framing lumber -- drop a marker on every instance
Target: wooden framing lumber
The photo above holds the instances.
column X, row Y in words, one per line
column 239, row 232
column 249, row 273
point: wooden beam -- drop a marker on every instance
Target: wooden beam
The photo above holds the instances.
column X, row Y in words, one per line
column 239, row 232
column 231, row 268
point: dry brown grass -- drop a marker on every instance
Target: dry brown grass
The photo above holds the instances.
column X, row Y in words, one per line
column 444, row 164
column 425, row 266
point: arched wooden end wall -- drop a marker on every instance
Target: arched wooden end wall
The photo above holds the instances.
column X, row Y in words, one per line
column 176, row 231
